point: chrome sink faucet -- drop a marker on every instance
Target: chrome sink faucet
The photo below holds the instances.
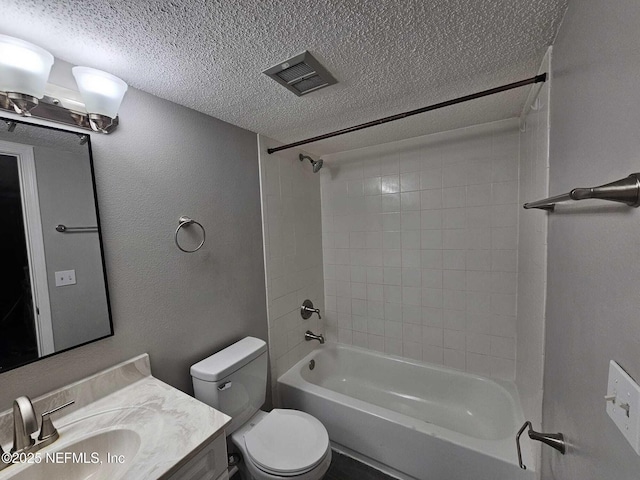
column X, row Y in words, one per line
column 309, row 335
column 24, row 424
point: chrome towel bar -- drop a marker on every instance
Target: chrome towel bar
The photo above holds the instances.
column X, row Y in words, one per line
column 625, row 191
column 64, row 229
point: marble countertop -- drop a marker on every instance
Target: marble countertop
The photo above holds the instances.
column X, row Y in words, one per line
column 170, row 425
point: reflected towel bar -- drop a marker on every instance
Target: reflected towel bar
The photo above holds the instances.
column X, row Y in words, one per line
column 625, row 191
column 65, row 229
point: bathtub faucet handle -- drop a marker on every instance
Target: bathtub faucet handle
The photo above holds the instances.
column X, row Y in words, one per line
column 555, row 440
column 306, row 310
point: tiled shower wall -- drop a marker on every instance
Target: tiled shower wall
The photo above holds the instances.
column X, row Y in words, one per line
column 420, row 248
column 293, row 254
column 532, row 255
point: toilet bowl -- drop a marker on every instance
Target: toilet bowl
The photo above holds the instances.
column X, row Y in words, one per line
column 281, row 444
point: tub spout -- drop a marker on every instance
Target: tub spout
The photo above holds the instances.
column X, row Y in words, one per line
column 309, row 335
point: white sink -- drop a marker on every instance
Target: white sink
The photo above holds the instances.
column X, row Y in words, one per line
column 125, row 425
column 106, row 454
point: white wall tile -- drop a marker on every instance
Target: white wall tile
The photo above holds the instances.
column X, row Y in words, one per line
column 421, row 247
column 393, row 329
column 410, row 221
column 392, row 346
column 431, row 239
column 412, row 277
column 412, row 350
column 478, row 260
column 454, row 279
column 454, row 339
column 410, row 201
column 393, row 312
column 433, row 354
column 289, row 228
column 431, row 199
column 479, row 343
column 432, row 278
column 454, row 175
column 360, row 339
column 412, row 313
column 431, row 219
column 479, row 195
column 433, row 336
column 432, row 317
column 390, row 184
column 372, row 186
column 391, row 222
column 375, row 309
column 505, row 192
column 409, row 182
column 392, row 258
column 454, row 319
column 455, row 359
column 527, row 341
column 478, row 364
column 390, row 203
column 411, row 240
column 431, row 178
column 454, row 197
column 503, row 347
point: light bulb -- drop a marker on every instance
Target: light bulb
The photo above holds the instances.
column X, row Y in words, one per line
column 102, row 92
column 24, row 67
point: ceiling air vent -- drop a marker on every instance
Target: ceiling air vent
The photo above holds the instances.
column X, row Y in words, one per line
column 301, row 74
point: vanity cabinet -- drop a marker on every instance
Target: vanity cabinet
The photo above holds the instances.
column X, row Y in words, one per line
column 210, row 463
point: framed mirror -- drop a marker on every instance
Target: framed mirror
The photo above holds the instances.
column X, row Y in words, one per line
column 54, row 295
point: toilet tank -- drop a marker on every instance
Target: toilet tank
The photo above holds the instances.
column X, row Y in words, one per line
column 234, row 380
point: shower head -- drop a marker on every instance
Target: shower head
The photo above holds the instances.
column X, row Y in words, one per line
column 317, row 164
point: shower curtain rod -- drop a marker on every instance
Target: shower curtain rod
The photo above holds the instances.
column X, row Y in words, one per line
column 537, row 79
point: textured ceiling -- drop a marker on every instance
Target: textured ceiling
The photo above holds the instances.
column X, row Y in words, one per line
column 388, row 56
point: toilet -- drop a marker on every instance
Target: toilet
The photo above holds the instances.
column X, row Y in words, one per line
column 281, row 444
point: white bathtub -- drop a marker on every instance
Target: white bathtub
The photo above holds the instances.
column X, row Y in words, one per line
column 424, row 421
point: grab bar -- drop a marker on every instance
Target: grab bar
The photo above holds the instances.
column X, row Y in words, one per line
column 555, row 440
column 625, row 191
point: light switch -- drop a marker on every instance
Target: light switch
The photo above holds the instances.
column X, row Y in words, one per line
column 65, row 277
column 623, row 404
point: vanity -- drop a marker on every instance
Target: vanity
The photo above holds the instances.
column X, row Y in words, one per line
column 123, row 424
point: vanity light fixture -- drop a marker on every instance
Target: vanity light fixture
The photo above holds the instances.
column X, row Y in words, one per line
column 102, row 94
column 24, row 71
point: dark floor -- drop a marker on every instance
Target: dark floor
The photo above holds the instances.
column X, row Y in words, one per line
column 346, row 468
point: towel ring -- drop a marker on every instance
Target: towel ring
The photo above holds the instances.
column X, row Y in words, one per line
column 186, row 222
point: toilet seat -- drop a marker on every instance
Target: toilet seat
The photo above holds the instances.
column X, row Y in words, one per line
column 287, row 443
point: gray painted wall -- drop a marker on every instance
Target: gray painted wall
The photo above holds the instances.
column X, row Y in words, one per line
column 593, row 301
column 79, row 312
column 165, row 161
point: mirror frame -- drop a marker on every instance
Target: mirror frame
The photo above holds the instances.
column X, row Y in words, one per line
column 100, row 242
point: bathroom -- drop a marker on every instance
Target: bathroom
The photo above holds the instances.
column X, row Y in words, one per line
column 437, row 293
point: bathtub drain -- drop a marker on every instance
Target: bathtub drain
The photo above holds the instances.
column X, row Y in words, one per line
column 312, row 364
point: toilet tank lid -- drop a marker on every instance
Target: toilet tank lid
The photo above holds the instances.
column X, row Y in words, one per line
column 228, row 360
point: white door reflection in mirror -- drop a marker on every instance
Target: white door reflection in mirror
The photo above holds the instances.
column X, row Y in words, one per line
column 18, row 158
